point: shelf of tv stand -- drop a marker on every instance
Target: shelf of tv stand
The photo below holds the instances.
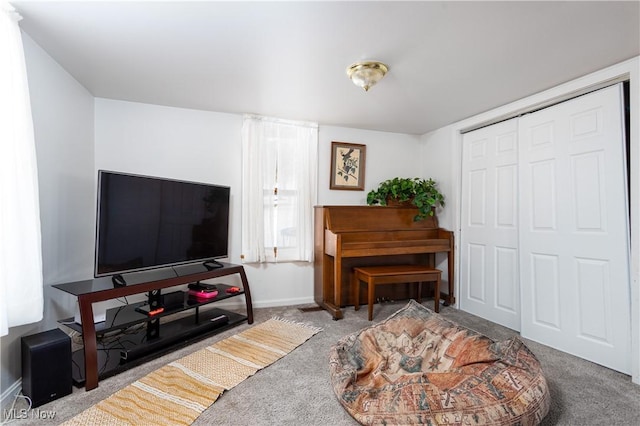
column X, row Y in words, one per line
column 131, row 348
column 99, row 359
column 126, row 316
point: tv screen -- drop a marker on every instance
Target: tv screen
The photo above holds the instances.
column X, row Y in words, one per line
column 148, row 222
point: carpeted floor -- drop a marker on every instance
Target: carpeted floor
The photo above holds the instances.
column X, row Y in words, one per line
column 296, row 389
column 178, row 392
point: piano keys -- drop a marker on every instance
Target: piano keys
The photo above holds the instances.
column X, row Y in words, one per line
column 348, row 236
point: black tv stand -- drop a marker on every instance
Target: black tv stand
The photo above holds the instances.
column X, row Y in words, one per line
column 129, row 354
column 172, row 334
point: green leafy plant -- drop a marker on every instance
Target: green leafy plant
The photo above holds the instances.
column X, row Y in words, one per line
column 422, row 193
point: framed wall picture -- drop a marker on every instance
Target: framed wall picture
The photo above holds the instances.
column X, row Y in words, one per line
column 347, row 166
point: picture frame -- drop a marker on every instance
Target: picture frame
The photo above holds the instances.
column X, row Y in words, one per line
column 348, row 161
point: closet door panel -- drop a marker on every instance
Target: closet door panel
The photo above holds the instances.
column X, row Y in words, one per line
column 544, row 278
column 489, row 233
column 506, row 273
column 542, row 191
column 574, row 233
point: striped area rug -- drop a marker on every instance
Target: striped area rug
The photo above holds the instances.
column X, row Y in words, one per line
column 179, row 392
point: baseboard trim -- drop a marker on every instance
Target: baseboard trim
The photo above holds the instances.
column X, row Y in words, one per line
column 7, row 397
column 283, row 302
column 274, row 303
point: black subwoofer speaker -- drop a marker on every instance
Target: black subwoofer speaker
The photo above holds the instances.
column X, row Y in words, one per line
column 46, row 366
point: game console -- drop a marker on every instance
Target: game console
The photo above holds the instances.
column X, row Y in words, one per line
column 203, row 287
column 203, row 294
column 202, row 291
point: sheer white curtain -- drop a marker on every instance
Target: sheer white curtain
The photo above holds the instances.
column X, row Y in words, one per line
column 279, row 189
column 21, row 299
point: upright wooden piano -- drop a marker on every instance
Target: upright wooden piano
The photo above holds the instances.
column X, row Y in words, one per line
column 348, row 236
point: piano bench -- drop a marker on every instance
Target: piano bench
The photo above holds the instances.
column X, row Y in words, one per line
column 393, row 274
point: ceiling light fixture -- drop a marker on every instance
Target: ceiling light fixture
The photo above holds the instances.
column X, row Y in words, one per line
column 367, row 73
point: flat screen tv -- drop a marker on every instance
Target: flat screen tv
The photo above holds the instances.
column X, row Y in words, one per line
column 148, row 222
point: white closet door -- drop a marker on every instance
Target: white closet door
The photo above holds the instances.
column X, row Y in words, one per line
column 489, row 284
column 574, row 229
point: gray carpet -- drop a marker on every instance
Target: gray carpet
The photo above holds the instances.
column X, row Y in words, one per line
column 296, row 389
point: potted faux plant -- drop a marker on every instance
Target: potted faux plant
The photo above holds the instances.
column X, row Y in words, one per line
column 422, row 193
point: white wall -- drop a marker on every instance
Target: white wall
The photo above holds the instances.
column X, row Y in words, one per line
column 387, row 155
column 175, row 143
column 206, row 146
column 446, row 143
column 437, row 156
column 62, row 113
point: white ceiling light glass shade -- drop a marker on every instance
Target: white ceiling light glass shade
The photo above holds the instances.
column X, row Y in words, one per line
column 367, row 73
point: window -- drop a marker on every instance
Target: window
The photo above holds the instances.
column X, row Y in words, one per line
column 279, row 169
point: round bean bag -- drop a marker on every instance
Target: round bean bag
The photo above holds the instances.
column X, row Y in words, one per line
column 416, row 367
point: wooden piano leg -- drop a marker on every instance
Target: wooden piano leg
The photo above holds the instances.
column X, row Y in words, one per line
column 371, row 291
column 337, row 288
column 335, row 312
column 450, row 299
column 355, row 283
column 436, row 293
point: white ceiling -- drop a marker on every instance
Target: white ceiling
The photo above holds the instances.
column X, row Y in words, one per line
column 447, row 60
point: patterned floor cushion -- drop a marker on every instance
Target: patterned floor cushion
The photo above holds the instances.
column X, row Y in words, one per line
column 416, row 367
